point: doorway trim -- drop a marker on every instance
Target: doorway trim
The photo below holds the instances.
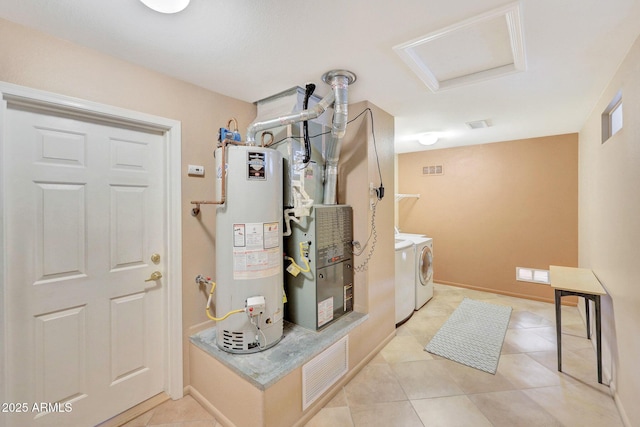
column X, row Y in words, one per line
column 11, row 94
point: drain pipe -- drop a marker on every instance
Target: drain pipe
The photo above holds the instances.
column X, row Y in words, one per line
column 339, row 81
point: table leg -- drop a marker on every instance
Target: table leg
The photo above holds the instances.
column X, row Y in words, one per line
column 558, row 302
column 599, row 337
column 586, row 308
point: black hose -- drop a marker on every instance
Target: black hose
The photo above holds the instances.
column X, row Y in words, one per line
column 305, row 126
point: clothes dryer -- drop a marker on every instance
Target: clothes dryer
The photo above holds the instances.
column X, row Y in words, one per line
column 404, row 280
column 423, row 266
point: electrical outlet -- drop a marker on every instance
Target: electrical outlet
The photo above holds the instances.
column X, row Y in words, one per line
column 196, row 170
column 372, row 195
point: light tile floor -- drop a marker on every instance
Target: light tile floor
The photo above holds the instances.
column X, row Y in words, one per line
column 405, row 386
column 185, row 412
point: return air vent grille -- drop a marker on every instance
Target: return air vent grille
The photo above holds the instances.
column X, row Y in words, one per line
column 433, row 170
column 324, row 370
column 532, row 275
column 478, row 124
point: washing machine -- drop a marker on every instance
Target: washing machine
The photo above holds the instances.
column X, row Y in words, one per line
column 405, row 280
column 423, row 267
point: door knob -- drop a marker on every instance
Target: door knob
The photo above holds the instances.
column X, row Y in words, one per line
column 156, row 275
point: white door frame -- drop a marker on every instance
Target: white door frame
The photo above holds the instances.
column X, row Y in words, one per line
column 11, row 94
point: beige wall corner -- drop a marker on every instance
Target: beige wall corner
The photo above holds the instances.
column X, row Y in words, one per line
column 609, row 230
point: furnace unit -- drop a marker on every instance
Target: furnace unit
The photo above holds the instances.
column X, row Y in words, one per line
column 320, row 296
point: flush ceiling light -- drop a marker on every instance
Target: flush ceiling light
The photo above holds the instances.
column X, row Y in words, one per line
column 428, row 139
column 166, row 6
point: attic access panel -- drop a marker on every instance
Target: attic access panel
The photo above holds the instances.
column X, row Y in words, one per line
column 487, row 46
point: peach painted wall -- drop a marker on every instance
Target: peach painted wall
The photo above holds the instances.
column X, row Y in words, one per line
column 31, row 58
column 374, row 286
column 496, row 207
column 609, row 230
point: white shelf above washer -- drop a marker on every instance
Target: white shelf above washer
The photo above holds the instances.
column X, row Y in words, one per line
column 406, row 196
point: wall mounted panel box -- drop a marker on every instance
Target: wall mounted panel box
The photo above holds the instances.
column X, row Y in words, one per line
column 320, row 296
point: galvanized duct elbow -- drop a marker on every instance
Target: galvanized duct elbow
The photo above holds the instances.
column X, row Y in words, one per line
column 288, row 119
column 339, row 81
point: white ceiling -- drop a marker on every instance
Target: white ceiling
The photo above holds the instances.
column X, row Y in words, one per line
column 252, row 49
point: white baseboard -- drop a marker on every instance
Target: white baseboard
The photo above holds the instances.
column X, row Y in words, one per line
column 621, row 411
column 219, row 416
column 136, row 411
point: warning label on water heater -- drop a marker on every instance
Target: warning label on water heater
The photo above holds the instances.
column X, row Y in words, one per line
column 256, row 250
column 256, row 166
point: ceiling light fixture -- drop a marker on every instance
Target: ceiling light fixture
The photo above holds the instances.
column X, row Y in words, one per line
column 428, row 139
column 166, row 6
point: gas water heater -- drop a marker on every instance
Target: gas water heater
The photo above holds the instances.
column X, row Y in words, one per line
column 249, row 248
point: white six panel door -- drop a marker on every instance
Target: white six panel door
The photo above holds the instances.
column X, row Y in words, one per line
column 84, row 214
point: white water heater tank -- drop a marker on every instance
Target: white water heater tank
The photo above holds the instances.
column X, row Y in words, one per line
column 249, row 249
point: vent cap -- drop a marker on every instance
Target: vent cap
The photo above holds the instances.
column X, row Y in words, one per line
column 433, row 170
column 478, row 124
column 532, row 275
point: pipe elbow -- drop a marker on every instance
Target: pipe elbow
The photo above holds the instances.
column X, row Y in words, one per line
column 308, row 114
column 251, row 135
column 340, row 117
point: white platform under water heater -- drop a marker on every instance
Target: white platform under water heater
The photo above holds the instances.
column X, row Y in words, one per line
column 249, row 248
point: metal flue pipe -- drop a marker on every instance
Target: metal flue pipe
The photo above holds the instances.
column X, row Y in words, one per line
column 339, row 81
column 288, row 119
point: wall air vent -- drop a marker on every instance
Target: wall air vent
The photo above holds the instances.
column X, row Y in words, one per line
column 433, row 170
column 478, row 124
column 532, row 275
column 324, row 370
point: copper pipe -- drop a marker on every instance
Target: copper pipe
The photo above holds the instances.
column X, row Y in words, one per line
column 223, row 197
column 270, row 141
column 232, row 120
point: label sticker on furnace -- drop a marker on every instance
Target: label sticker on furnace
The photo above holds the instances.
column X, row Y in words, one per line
column 325, row 311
